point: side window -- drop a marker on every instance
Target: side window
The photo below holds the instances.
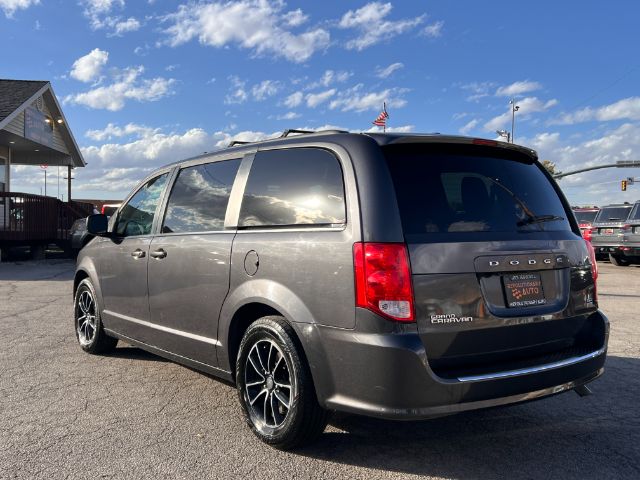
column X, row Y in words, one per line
column 136, row 217
column 299, row 186
column 199, row 197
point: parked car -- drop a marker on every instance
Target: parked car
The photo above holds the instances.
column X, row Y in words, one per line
column 400, row 276
column 109, row 209
column 585, row 217
column 606, row 232
column 630, row 250
column 79, row 234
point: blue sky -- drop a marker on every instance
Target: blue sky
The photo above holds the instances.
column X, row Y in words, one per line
column 145, row 83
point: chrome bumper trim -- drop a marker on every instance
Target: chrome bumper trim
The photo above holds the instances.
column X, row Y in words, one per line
column 527, row 371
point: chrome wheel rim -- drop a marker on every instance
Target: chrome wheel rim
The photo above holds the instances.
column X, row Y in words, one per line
column 86, row 318
column 268, row 385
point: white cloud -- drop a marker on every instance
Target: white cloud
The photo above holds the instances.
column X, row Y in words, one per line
column 354, row 99
column 433, row 30
column 477, row 90
column 126, row 85
column 464, row 130
column 257, row 25
column 237, row 92
column 124, row 26
column 599, row 187
column 114, row 131
column 294, row 100
column 518, row 88
column 9, row 7
column 528, row 106
column 625, row 109
column 373, row 27
column 315, row 99
column 89, row 67
column 295, row 18
column 99, row 14
column 330, row 77
column 288, row 116
column 265, row 89
column 387, row 71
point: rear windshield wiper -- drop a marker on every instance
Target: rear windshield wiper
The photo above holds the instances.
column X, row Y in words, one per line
column 531, row 217
column 538, row 219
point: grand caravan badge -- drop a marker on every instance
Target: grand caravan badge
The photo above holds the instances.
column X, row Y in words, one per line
column 450, row 318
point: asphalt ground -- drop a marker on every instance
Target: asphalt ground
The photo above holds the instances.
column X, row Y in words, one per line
column 130, row 415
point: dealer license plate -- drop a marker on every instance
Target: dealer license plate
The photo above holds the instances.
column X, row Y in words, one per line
column 523, row 289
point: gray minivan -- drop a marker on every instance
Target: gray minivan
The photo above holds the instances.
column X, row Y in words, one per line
column 400, row 276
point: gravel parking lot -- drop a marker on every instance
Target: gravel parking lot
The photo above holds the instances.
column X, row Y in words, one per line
column 66, row 414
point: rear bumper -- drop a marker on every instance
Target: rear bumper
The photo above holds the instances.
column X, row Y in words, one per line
column 630, row 249
column 388, row 375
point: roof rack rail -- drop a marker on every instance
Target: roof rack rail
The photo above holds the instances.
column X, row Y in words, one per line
column 287, row 132
column 294, row 130
column 237, row 142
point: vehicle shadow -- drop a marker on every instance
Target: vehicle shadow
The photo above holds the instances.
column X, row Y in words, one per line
column 560, row 437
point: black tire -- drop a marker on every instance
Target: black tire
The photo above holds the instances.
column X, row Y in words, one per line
column 87, row 322
column 618, row 261
column 304, row 419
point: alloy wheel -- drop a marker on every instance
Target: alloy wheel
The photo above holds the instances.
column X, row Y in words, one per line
column 86, row 318
column 268, row 385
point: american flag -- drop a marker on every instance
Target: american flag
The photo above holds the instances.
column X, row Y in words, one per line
column 381, row 120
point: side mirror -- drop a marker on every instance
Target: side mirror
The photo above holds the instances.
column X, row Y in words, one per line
column 98, row 225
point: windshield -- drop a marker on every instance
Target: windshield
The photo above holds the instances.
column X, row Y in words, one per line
column 585, row 217
column 458, row 189
column 613, row 214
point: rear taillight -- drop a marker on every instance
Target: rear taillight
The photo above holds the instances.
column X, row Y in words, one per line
column 102, row 210
column 383, row 279
column 587, row 234
column 594, row 266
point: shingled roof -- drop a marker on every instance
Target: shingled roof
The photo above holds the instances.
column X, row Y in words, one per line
column 13, row 93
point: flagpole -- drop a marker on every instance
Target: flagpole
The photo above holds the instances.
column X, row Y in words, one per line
column 384, row 108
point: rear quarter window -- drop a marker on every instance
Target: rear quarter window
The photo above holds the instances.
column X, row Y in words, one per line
column 294, row 187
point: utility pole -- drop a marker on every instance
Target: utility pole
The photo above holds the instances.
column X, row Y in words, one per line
column 514, row 109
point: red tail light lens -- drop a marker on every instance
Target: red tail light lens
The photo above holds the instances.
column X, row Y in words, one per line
column 102, row 210
column 383, row 279
column 586, row 234
column 594, row 267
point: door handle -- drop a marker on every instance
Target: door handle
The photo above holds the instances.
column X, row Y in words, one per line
column 160, row 253
column 137, row 253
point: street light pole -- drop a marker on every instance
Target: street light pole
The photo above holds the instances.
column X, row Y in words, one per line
column 514, row 109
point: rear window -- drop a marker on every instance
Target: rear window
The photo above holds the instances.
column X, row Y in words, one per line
column 613, row 214
column 586, row 216
column 469, row 189
column 635, row 214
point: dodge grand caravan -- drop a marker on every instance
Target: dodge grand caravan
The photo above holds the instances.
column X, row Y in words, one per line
column 396, row 276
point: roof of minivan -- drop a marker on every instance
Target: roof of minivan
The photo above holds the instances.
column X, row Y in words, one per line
column 382, row 139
